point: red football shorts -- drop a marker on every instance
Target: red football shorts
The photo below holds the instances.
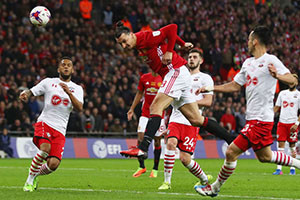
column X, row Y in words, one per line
column 284, row 133
column 186, row 136
column 255, row 134
column 45, row 134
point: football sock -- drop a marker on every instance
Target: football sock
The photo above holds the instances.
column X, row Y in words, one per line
column 157, row 152
column 45, row 170
column 196, row 170
column 226, row 171
column 169, row 161
column 36, row 164
column 142, row 162
column 282, row 159
column 216, row 129
column 282, row 151
column 151, row 128
column 293, row 153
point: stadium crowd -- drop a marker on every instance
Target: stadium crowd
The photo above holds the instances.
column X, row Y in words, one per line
column 110, row 75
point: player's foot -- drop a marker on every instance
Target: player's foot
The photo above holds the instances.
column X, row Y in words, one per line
column 153, row 173
column 139, row 172
column 35, row 183
column 28, row 188
column 165, row 186
column 205, row 190
column 277, row 172
column 292, row 172
column 205, row 182
column 134, row 152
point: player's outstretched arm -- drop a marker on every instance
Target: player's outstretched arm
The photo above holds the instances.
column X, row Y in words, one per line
column 137, row 99
column 227, row 87
column 24, row 96
column 76, row 104
column 276, row 109
column 286, row 78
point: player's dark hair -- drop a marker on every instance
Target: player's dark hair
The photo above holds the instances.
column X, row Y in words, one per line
column 262, row 33
column 66, row 58
column 197, row 50
column 120, row 28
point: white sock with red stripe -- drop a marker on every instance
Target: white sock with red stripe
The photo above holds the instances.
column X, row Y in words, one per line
column 36, row 164
column 282, row 151
column 169, row 161
column 293, row 153
column 226, row 171
column 195, row 169
column 45, row 170
column 281, row 158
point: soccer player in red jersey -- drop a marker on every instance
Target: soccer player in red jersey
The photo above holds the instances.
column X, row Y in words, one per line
column 61, row 96
column 176, row 86
column 260, row 74
column 288, row 102
column 148, row 86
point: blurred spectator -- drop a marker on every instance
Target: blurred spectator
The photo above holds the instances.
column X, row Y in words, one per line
column 16, row 126
column 99, row 126
column 87, row 121
column 228, row 121
column 241, row 119
column 86, row 8
column 5, row 142
column 27, row 127
column 108, row 16
column 116, row 126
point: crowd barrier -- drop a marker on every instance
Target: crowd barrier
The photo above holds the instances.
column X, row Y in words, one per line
column 109, row 148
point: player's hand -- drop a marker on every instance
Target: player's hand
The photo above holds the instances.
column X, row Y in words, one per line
column 204, row 90
column 65, row 88
column 167, row 58
column 272, row 70
column 188, row 45
column 294, row 128
column 129, row 114
column 23, row 96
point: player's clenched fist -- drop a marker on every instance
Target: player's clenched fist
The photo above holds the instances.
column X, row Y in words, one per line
column 24, row 96
column 65, row 88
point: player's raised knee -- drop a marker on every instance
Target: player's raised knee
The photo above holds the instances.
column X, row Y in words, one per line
column 172, row 143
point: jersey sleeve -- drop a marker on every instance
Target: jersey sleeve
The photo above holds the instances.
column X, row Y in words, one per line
column 40, row 88
column 156, row 37
column 141, row 85
column 281, row 69
column 240, row 77
column 79, row 94
column 278, row 101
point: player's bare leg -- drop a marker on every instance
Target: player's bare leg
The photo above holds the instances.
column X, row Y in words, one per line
column 191, row 112
column 232, row 154
column 159, row 104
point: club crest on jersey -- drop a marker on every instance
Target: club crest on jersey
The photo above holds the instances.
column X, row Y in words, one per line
column 71, row 89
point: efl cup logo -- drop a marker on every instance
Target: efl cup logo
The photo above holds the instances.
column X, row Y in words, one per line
column 99, row 149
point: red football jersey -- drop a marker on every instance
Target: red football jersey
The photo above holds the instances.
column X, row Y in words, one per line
column 152, row 46
column 149, row 85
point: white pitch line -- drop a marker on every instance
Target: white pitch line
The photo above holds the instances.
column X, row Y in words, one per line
column 60, row 168
column 143, row 192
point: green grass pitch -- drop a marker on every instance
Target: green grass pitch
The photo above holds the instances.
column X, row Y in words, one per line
column 112, row 179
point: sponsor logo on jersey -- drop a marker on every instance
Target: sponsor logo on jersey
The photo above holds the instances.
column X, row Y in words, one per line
column 152, row 90
column 56, row 100
column 285, row 104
